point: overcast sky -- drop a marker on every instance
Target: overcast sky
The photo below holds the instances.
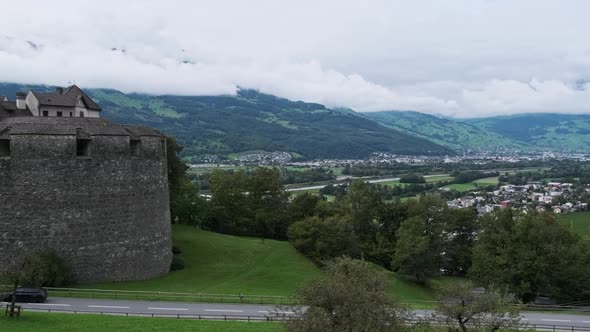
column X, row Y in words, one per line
column 462, row 58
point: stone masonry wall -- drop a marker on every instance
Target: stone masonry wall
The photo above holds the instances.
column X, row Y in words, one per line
column 107, row 214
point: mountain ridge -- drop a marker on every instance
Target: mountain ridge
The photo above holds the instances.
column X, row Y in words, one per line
column 254, row 121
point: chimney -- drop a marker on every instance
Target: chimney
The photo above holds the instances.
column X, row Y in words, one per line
column 20, row 100
column 59, row 90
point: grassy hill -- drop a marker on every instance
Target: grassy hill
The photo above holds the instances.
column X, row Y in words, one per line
column 453, row 134
column 224, row 264
column 249, row 121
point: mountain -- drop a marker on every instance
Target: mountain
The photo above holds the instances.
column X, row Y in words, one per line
column 251, row 121
column 456, row 135
column 557, row 132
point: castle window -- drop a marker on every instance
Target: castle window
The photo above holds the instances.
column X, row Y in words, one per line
column 135, row 147
column 59, row 114
column 82, row 147
column 71, row 114
column 4, row 148
column 81, row 114
column 45, row 113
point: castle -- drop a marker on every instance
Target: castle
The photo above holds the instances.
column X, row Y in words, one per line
column 94, row 191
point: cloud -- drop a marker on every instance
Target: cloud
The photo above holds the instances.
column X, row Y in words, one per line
column 467, row 58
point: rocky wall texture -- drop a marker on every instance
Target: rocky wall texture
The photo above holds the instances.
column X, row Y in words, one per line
column 107, row 213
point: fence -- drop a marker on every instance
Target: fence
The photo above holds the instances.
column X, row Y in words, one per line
column 281, row 318
column 170, row 296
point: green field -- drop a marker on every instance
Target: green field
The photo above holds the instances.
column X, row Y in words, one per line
column 224, row 264
column 492, row 181
column 33, row 322
column 438, row 178
column 395, row 183
column 578, row 222
column 462, row 186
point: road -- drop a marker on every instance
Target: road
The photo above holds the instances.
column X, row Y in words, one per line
column 210, row 309
column 322, row 186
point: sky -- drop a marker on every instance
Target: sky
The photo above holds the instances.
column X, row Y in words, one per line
column 457, row 58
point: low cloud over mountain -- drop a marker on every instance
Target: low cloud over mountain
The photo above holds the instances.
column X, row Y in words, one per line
column 468, row 58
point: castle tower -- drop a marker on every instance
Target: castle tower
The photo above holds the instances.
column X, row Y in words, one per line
column 94, row 191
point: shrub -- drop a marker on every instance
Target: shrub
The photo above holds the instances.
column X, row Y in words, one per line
column 47, row 269
column 176, row 250
column 177, row 264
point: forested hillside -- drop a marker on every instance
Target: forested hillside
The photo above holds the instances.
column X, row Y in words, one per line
column 557, row 132
column 456, row 135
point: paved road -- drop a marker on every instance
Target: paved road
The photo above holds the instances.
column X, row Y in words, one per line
column 185, row 308
column 370, row 181
column 323, row 185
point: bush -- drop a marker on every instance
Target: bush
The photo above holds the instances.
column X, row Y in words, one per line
column 324, row 239
column 412, row 178
column 176, row 250
column 177, row 264
column 47, row 269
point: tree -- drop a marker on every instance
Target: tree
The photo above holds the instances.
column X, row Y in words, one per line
column 177, row 173
column 529, row 254
column 352, row 296
column 18, row 268
column 415, row 254
column 382, row 248
column 461, row 229
column 324, row 239
column 460, row 306
column 362, row 203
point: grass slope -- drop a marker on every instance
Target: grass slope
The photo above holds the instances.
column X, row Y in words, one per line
column 578, row 222
column 224, row 264
column 33, row 322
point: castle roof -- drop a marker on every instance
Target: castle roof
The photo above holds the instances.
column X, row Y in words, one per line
column 68, row 97
column 29, row 125
column 8, row 109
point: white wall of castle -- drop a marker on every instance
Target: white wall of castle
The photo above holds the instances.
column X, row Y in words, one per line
column 33, row 105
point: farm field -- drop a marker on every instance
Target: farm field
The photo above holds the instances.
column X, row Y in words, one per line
column 491, row 181
column 438, row 178
column 462, row 186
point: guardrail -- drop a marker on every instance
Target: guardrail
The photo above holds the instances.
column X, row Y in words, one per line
column 281, row 318
column 170, row 296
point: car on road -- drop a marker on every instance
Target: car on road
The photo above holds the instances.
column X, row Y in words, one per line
column 23, row 294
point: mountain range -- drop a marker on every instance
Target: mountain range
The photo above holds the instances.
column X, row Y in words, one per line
column 253, row 121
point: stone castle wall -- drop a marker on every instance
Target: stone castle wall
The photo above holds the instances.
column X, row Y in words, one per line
column 106, row 213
